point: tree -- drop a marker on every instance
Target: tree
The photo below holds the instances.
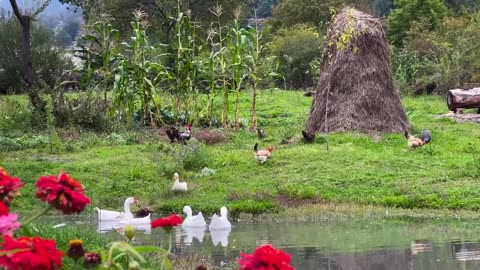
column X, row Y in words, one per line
column 407, row 12
column 48, row 60
column 159, row 12
column 296, row 47
column 25, row 22
column 316, row 12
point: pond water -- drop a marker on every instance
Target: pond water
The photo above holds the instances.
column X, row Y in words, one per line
column 355, row 244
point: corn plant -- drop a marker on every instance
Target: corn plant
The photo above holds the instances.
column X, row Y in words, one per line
column 138, row 74
column 236, row 45
column 223, row 64
column 184, row 71
column 209, row 72
column 98, row 48
column 256, row 61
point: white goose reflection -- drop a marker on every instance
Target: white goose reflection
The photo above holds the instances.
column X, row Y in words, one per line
column 113, row 225
column 220, row 236
column 193, row 232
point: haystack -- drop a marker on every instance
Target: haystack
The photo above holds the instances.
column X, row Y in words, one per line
column 356, row 76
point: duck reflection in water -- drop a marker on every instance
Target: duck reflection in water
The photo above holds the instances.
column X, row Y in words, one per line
column 193, row 232
column 113, row 225
column 418, row 246
column 220, row 236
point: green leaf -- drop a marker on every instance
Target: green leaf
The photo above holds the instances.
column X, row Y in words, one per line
column 143, row 249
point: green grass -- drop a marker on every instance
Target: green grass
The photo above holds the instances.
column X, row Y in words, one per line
column 357, row 169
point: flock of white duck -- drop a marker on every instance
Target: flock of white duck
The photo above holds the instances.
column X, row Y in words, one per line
column 194, row 225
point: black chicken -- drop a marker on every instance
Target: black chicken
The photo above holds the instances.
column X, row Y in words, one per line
column 143, row 212
column 261, row 133
column 173, row 133
column 426, row 136
column 308, row 137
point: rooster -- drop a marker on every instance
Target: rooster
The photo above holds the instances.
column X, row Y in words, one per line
column 186, row 135
column 262, row 155
column 412, row 141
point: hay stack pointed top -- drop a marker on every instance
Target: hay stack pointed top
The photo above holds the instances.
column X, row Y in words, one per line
column 355, row 89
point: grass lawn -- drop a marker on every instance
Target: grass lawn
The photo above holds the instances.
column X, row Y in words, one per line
column 357, row 169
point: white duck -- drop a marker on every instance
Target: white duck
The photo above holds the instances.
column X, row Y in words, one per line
column 220, row 223
column 177, row 185
column 193, row 221
column 105, row 215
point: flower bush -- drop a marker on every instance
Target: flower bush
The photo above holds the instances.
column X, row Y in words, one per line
column 62, row 192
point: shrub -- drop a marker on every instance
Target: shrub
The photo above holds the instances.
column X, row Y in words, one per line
column 407, row 12
column 192, row 157
column 447, row 56
column 297, row 47
column 14, row 115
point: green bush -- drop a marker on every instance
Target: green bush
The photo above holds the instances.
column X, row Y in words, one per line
column 192, row 157
column 296, row 48
column 407, row 12
column 448, row 56
column 14, row 116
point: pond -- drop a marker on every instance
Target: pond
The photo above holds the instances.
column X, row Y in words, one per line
column 387, row 244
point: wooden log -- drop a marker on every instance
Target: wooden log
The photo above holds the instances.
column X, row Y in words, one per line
column 464, row 99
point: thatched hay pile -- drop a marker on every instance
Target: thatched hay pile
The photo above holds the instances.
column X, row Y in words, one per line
column 355, row 71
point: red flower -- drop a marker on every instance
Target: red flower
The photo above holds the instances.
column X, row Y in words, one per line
column 9, row 186
column 265, row 258
column 167, row 222
column 3, row 209
column 63, row 192
column 30, row 253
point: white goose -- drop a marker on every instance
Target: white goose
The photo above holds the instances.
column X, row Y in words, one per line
column 105, row 215
column 193, row 221
column 220, row 223
column 136, row 221
column 177, row 185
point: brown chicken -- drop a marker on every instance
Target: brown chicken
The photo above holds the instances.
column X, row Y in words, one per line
column 263, row 154
column 412, row 141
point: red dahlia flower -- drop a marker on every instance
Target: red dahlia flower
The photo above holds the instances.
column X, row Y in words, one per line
column 3, row 209
column 167, row 222
column 30, row 253
column 265, row 258
column 9, row 186
column 63, row 192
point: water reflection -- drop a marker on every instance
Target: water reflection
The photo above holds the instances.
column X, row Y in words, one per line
column 220, row 237
column 418, row 246
column 332, row 245
column 466, row 251
column 113, row 225
column 193, row 233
